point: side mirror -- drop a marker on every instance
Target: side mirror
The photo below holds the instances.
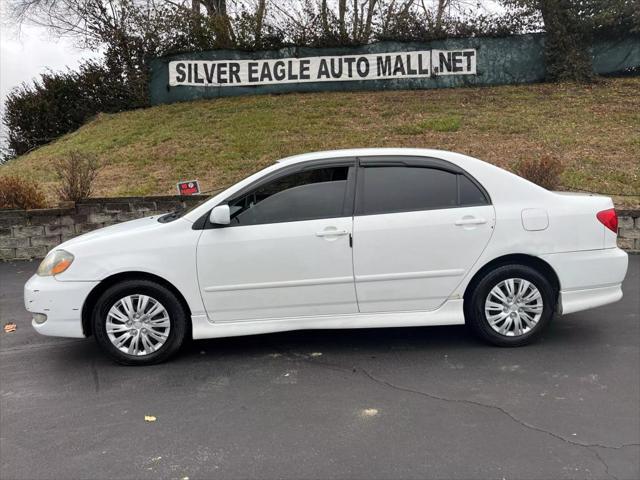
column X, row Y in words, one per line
column 220, row 215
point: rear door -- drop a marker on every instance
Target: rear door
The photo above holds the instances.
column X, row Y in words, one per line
column 420, row 225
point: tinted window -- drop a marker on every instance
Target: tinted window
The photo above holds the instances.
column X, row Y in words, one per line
column 470, row 194
column 306, row 195
column 402, row 189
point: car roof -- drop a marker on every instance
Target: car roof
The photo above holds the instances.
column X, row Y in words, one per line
column 368, row 152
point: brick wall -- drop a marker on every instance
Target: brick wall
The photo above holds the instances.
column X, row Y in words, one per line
column 629, row 230
column 28, row 234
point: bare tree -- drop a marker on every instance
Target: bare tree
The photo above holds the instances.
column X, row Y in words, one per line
column 442, row 5
column 260, row 12
column 342, row 11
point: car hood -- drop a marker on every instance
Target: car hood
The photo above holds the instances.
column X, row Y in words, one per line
column 120, row 229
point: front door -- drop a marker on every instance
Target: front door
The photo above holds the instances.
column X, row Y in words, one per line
column 419, row 227
column 287, row 251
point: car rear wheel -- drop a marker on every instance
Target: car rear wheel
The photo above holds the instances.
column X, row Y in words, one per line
column 139, row 322
column 511, row 305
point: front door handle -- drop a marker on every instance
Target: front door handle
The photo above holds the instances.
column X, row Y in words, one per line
column 470, row 221
column 331, row 232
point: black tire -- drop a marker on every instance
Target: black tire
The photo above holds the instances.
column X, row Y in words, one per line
column 175, row 310
column 475, row 309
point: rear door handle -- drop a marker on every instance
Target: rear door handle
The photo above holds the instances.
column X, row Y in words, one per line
column 331, row 232
column 470, row 221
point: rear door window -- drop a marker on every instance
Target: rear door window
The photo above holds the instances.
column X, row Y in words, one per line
column 390, row 189
column 405, row 189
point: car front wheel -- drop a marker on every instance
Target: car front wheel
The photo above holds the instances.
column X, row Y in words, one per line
column 511, row 305
column 139, row 322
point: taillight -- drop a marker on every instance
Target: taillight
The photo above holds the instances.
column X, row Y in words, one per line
column 609, row 219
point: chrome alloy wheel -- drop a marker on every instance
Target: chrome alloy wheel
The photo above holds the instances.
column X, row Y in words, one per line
column 513, row 307
column 138, row 325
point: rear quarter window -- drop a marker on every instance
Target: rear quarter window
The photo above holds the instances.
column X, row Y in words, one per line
column 470, row 193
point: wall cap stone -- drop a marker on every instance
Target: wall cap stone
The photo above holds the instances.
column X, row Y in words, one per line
column 628, row 212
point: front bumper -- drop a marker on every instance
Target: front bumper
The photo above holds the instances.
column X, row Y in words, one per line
column 60, row 301
column 589, row 278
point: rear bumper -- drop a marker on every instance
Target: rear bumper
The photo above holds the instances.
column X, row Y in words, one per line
column 589, row 278
column 60, row 301
column 577, row 300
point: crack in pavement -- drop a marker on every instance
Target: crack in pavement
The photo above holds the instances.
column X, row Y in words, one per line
column 606, row 465
column 588, row 446
column 500, row 409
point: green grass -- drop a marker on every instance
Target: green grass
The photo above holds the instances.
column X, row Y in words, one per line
column 594, row 130
column 435, row 124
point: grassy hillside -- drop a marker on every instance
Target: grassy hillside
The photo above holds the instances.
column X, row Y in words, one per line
column 593, row 130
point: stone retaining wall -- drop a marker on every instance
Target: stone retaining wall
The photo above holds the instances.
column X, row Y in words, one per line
column 629, row 230
column 26, row 234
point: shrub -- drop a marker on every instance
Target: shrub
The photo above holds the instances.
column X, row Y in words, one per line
column 18, row 192
column 61, row 102
column 76, row 175
column 544, row 171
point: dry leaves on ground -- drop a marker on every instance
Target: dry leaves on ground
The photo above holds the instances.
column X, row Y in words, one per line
column 9, row 327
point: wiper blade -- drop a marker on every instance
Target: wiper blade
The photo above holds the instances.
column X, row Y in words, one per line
column 168, row 217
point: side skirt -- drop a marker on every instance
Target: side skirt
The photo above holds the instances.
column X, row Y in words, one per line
column 450, row 313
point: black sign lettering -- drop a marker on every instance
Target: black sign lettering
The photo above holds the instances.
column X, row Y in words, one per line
column 234, row 72
column 349, row 61
column 208, row 72
column 336, row 67
column 196, row 77
column 422, row 69
column 384, row 66
column 304, row 69
column 265, row 74
column 445, row 61
column 291, row 75
column 222, row 73
column 278, row 71
column 469, row 55
column 410, row 71
column 323, row 69
column 253, row 71
column 180, row 77
column 398, row 67
column 362, row 66
column 456, row 59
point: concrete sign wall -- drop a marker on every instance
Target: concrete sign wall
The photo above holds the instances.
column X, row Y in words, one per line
column 380, row 66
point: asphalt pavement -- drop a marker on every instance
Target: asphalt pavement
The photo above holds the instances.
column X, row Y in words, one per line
column 387, row 403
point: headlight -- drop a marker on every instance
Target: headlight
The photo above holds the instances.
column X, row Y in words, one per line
column 54, row 263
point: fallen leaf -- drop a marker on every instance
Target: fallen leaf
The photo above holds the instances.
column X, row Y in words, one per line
column 369, row 412
column 9, row 327
column 150, row 418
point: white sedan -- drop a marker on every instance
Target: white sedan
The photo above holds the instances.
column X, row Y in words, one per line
column 341, row 239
